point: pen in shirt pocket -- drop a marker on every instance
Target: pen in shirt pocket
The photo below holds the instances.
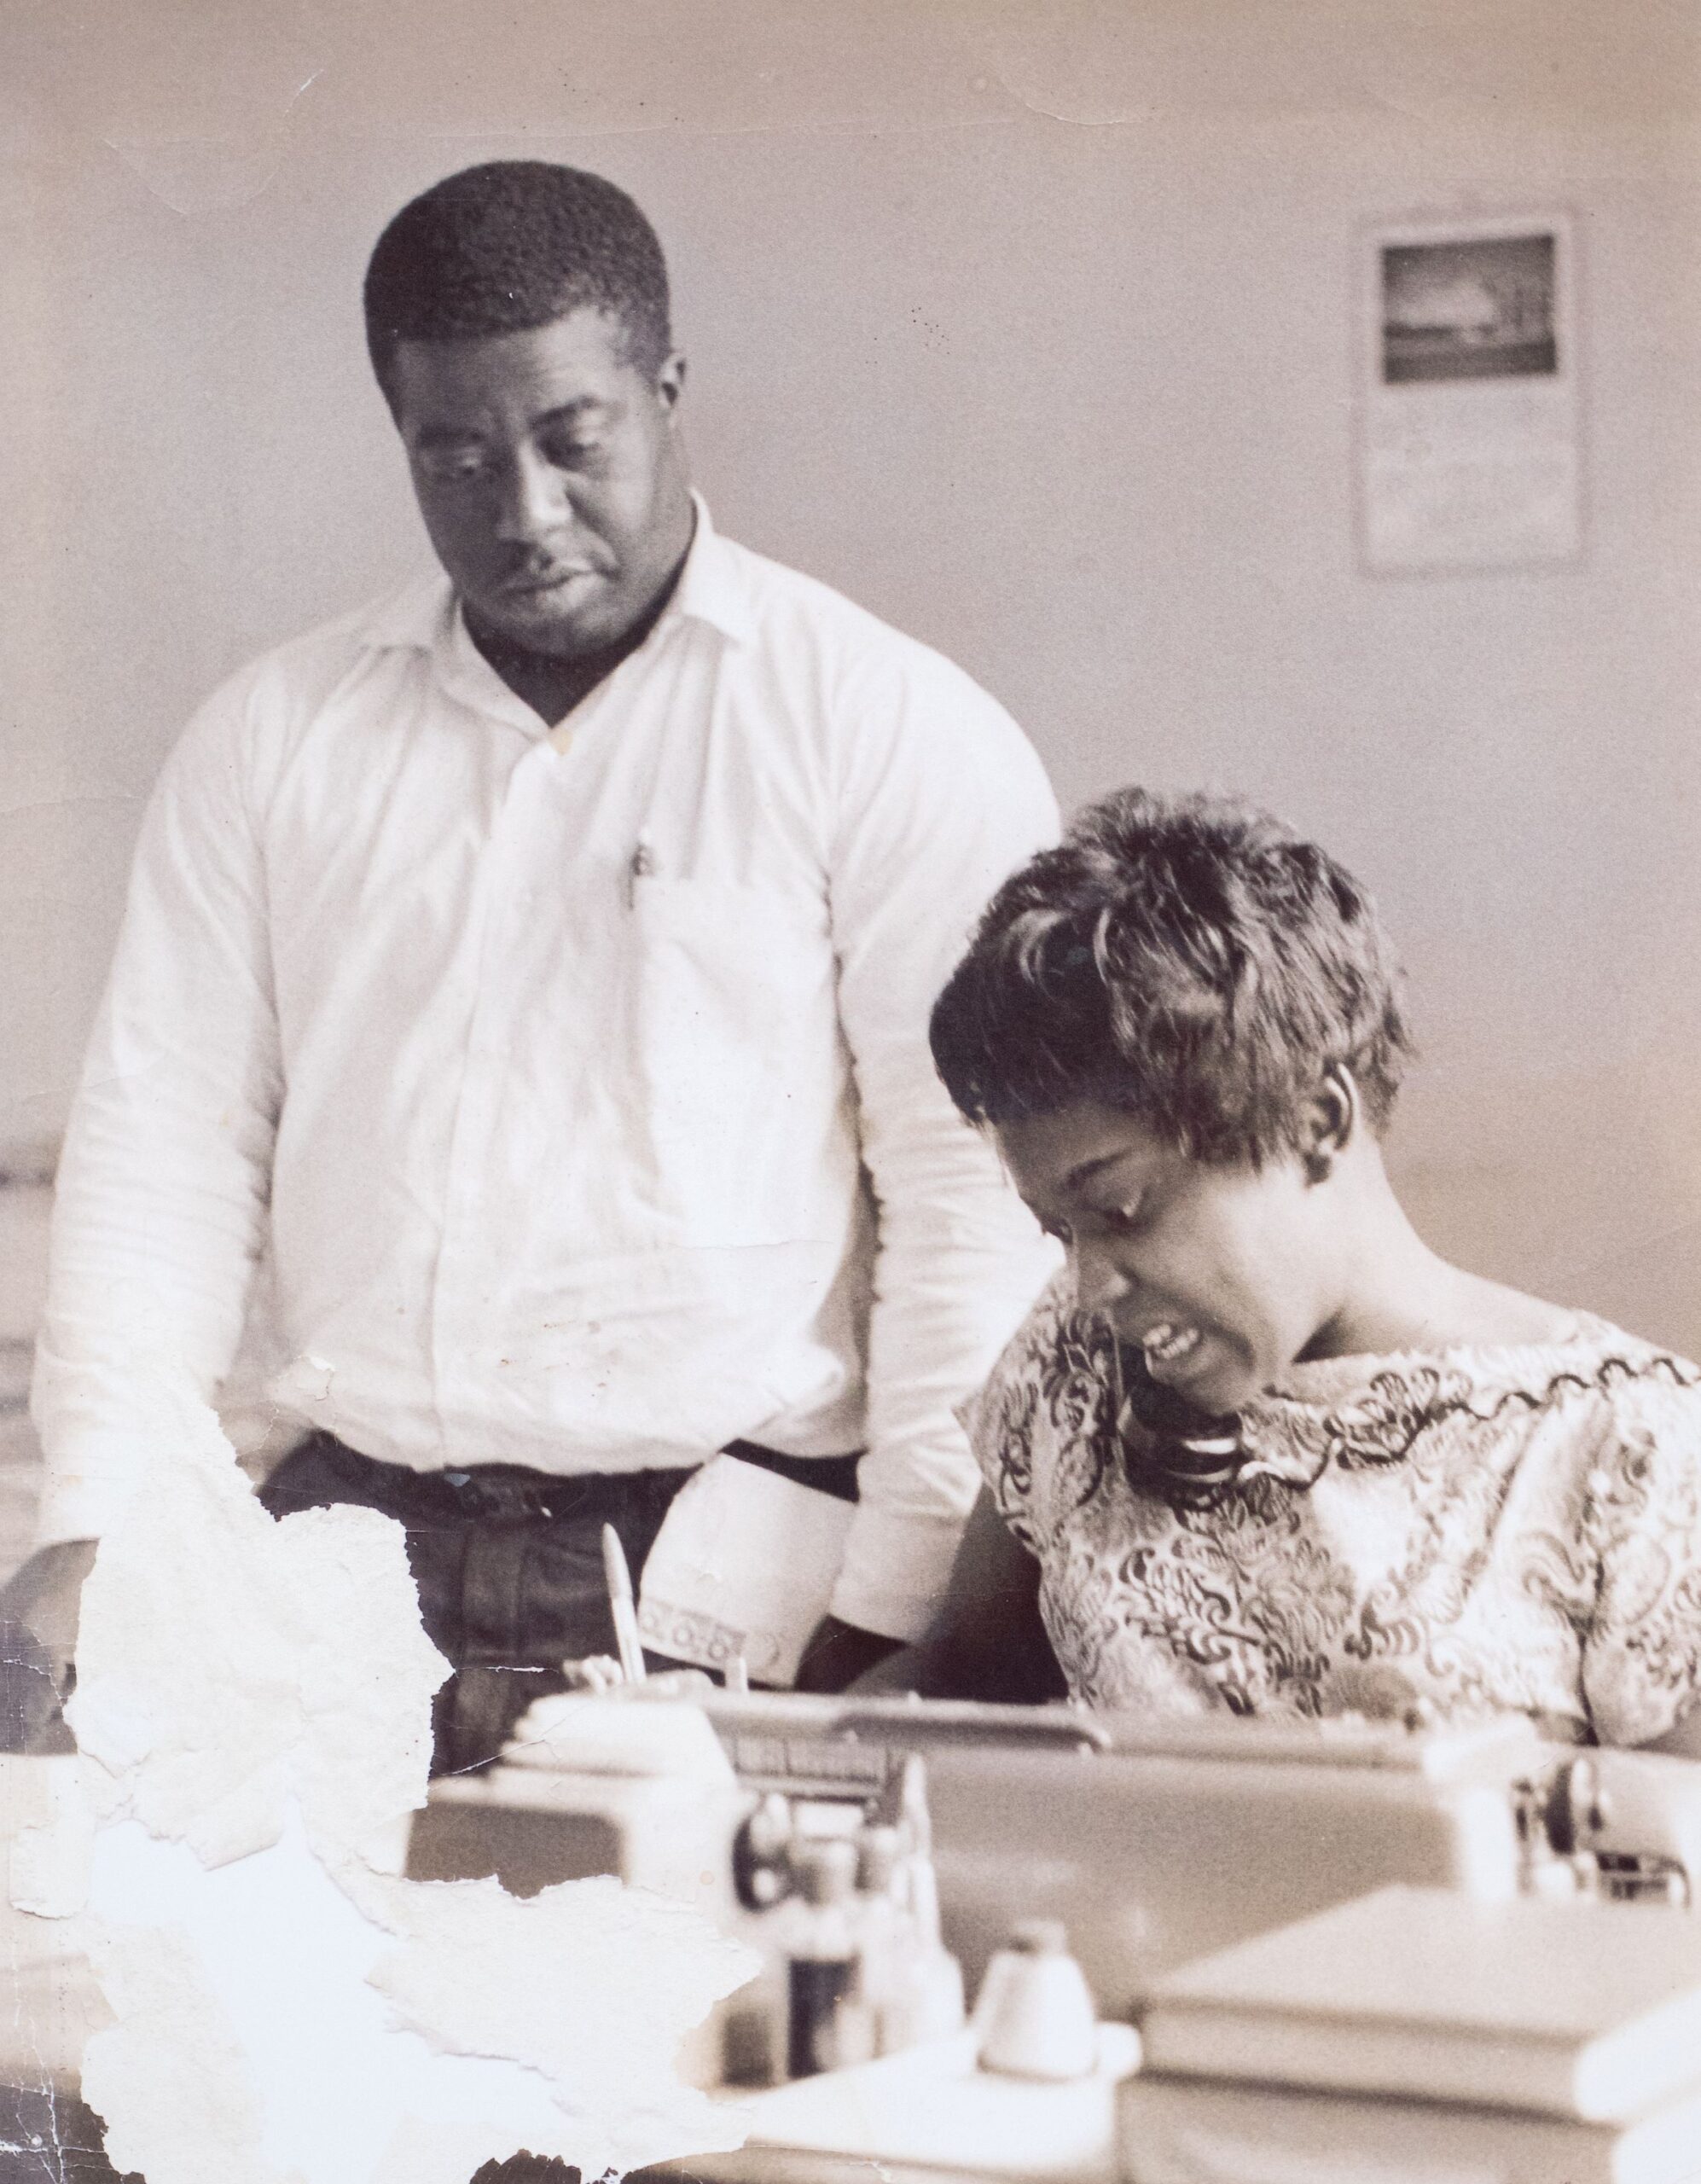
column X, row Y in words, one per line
column 642, row 866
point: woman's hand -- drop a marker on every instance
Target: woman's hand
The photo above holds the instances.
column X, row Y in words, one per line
column 988, row 1640
column 838, row 1653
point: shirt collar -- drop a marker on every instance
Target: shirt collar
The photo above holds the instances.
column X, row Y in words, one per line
column 710, row 587
column 425, row 616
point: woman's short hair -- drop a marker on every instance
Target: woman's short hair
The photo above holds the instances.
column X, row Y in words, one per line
column 1187, row 961
column 513, row 245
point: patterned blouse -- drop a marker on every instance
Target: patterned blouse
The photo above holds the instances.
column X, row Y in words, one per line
column 1461, row 1532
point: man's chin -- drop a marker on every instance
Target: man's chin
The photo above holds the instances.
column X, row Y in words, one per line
column 549, row 636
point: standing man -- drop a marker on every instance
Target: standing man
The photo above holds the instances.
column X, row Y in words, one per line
column 532, row 972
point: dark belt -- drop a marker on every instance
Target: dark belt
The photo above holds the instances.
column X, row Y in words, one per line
column 833, row 1475
column 515, row 1492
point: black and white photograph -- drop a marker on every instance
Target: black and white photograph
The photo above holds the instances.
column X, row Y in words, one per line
column 849, row 1200
column 1477, row 309
column 1473, row 400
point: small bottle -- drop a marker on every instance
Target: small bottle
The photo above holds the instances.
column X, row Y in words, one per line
column 925, row 2000
column 884, row 1929
column 828, row 2025
column 753, row 2020
column 1034, row 2016
column 754, row 2028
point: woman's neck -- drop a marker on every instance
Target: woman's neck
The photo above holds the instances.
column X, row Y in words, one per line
column 1397, row 1294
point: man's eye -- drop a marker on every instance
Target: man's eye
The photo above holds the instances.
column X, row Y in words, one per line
column 569, row 454
column 1119, row 1220
column 1058, row 1231
column 450, row 465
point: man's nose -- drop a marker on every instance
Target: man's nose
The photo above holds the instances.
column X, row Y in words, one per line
column 1099, row 1282
column 534, row 502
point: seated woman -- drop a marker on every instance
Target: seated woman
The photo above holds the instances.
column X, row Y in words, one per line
column 1259, row 1448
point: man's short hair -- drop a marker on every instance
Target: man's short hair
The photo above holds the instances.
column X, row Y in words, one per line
column 510, row 246
column 1187, row 961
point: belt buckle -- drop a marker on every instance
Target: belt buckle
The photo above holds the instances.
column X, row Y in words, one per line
column 480, row 1497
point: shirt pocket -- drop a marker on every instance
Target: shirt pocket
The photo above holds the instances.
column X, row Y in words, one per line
column 738, row 1055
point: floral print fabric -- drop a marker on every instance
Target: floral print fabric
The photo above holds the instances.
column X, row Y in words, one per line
column 1465, row 1532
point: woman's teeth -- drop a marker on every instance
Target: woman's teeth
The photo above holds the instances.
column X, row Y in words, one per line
column 1167, row 1346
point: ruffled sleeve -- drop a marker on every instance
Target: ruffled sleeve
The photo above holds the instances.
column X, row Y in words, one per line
column 1641, row 1663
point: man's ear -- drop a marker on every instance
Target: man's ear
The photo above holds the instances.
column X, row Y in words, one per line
column 1331, row 1121
column 671, row 381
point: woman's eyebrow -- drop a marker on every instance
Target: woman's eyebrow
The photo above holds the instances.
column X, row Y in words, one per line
column 1088, row 1169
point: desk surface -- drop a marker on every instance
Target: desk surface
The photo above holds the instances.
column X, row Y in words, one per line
column 929, row 2113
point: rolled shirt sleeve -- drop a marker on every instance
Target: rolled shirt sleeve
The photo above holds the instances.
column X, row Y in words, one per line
column 940, row 798
column 161, row 1204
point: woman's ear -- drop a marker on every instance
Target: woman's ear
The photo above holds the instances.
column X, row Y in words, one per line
column 1332, row 1123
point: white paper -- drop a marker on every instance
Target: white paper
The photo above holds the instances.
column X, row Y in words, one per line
column 252, row 1713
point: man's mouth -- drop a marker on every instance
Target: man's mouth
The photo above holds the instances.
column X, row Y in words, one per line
column 534, row 583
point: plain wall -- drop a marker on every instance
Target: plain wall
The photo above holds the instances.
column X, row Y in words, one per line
column 1031, row 326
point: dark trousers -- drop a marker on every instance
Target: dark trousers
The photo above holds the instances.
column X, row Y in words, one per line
column 508, row 1564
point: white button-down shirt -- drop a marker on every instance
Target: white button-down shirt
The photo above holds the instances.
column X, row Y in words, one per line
column 571, row 1087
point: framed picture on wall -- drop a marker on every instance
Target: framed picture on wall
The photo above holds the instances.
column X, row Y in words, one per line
column 1469, row 441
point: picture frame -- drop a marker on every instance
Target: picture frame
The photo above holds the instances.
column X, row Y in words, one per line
column 1469, row 414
